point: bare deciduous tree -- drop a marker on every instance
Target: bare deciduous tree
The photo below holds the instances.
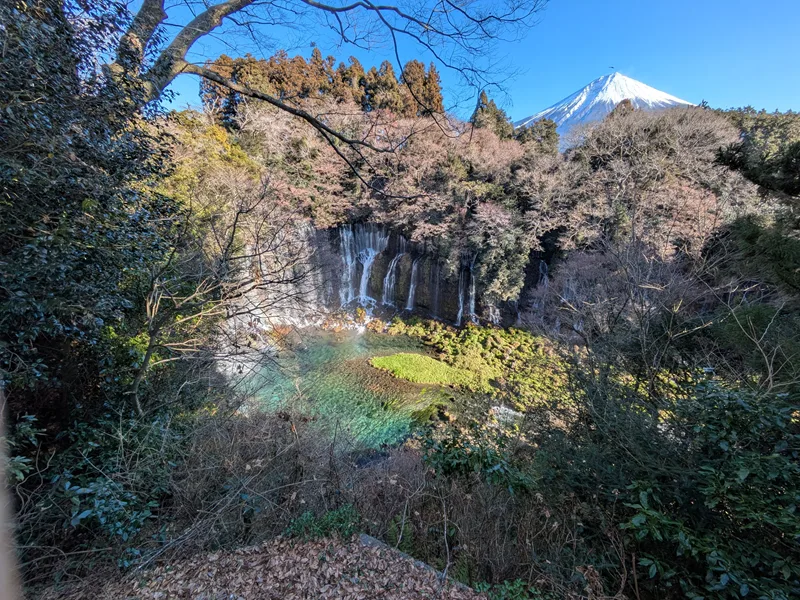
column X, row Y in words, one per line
column 247, row 265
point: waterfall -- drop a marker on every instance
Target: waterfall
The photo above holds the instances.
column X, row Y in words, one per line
column 544, row 279
column 390, row 280
column 462, row 284
column 412, row 288
column 463, row 274
column 360, row 243
column 391, row 275
column 366, row 257
column 348, row 250
column 472, row 316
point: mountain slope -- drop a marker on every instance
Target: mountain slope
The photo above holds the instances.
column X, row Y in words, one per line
column 599, row 98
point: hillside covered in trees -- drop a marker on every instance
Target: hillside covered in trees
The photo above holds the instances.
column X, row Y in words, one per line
column 322, row 305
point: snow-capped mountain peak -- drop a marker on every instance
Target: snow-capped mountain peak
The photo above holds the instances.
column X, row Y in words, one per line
column 599, row 98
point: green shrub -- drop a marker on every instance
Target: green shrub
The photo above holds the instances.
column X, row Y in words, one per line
column 516, row 589
column 22, row 442
column 343, row 522
column 706, row 490
column 106, row 484
column 732, row 530
column 400, row 534
column 485, row 450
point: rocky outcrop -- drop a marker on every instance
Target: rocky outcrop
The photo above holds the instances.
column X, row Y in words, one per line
column 384, row 273
column 369, row 266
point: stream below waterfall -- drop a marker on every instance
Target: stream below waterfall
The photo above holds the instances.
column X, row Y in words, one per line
column 327, row 376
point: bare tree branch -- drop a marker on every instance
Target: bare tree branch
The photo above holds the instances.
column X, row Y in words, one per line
column 468, row 27
column 315, row 122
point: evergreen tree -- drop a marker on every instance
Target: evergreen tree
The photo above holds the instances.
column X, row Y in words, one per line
column 434, row 102
column 216, row 98
column 413, row 90
column 383, row 90
column 417, row 94
column 623, row 108
column 320, row 74
column 769, row 151
column 81, row 226
column 354, row 79
column 541, row 136
column 288, row 77
column 488, row 114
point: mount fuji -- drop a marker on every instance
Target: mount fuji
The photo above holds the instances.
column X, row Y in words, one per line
column 599, row 98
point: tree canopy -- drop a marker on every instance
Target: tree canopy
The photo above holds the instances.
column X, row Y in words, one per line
column 488, row 114
column 416, row 93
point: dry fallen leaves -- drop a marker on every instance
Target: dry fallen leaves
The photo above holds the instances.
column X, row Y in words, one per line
column 287, row 570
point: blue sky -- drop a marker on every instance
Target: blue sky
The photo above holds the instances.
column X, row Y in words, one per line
column 727, row 52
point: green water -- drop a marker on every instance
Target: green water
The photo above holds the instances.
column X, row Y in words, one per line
column 327, row 376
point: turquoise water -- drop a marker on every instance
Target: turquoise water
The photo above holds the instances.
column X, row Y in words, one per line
column 327, row 376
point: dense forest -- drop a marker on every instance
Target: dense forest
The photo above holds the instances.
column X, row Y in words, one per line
column 634, row 434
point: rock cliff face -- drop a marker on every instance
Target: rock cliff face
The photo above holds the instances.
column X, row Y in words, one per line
column 367, row 265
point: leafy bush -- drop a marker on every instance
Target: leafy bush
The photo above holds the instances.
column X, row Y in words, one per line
column 732, row 531
column 343, row 522
column 105, row 485
column 483, row 449
column 18, row 446
column 516, row 589
column 707, row 488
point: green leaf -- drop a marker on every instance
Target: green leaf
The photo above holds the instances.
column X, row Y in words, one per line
column 744, row 589
column 639, row 520
column 78, row 518
column 743, row 473
column 653, row 570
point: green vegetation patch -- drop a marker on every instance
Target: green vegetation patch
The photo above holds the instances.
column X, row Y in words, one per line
column 419, row 368
column 343, row 522
column 524, row 370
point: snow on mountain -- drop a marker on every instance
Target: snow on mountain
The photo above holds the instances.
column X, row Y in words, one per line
column 599, row 98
